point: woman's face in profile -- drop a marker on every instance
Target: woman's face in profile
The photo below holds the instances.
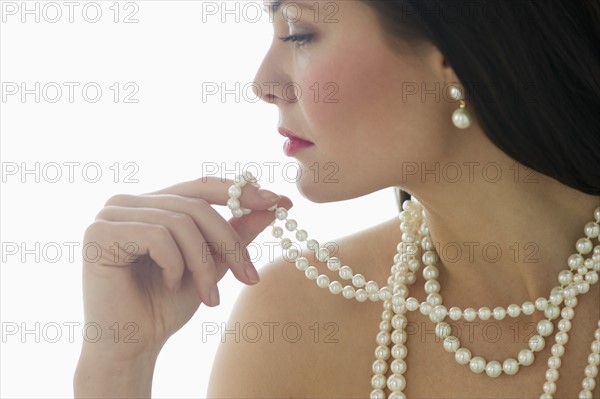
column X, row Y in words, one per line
column 368, row 109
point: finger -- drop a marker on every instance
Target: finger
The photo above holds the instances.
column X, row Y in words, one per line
column 216, row 191
column 222, row 239
column 150, row 239
column 190, row 241
column 249, row 226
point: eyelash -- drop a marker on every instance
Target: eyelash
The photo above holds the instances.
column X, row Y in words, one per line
column 299, row 39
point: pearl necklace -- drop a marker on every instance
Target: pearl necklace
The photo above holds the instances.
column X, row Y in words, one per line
column 577, row 279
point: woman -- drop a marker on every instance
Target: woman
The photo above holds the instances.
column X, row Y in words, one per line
column 485, row 112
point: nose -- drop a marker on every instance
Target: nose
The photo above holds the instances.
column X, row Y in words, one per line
column 271, row 83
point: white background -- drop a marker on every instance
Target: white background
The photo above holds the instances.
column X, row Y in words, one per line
column 169, row 135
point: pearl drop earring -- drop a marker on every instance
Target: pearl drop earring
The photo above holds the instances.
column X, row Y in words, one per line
column 461, row 118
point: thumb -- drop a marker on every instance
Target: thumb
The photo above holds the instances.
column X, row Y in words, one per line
column 249, row 226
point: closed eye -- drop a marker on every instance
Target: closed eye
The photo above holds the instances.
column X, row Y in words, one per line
column 299, row 39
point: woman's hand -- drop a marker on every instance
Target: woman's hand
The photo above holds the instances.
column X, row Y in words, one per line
column 152, row 259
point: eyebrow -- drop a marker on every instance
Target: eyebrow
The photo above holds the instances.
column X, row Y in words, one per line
column 273, row 5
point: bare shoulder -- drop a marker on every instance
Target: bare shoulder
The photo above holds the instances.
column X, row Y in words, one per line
column 291, row 329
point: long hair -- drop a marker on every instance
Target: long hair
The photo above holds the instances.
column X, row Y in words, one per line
column 530, row 70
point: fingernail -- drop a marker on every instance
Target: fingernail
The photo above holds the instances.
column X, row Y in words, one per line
column 252, row 274
column 268, row 195
column 214, row 296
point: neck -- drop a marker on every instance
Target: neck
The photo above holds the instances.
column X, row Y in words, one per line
column 505, row 240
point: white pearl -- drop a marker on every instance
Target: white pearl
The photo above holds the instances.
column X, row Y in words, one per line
column 285, row 243
column 585, row 394
column 528, row 308
column 425, row 308
column 376, row 393
column 571, row 302
column 499, row 313
column 456, row 93
column 597, row 334
column 333, row 264
column 588, row 383
column 301, row 235
column 537, row 343
column 378, row 381
column 561, row 338
column 583, row 287
column 311, row 272
column 477, row 364
column 379, row 366
column 567, row 313
column 277, row 231
column 396, row 395
column 233, row 203
column 484, row 313
column 373, row 296
column 372, row 287
column 387, row 315
column 592, row 230
column 361, row 295
column 595, row 347
column 383, row 338
column 313, row 245
column 412, row 304
column 591, row 371
column 574, row 261
column 557, row 350
column 385, row 325
column 443, row 330
column 510, row 366
column 234, row 191
column 302, row 263
column 399, row 351
column 461, row 118
column 396, row 382
column 385, row 294
column 438, row 313
column 281, row 213
column 399, row 337
column 594, row 359
column 398, row 321
column 564, row 325
column 434, row 299
column 552, row 312
column 382, row 352
column 432, row 286
column 554, row 362
column 398, row 366
column 429, row 258
column 345, row 272
column 322, row 254
column 584, row 246
column 513, row 310
column 541, row 303
column 430, row 272
column 469, row 314
column 545, row 328
column 291, row 225
column 323, row 281
column 526, row 357
column 348, row 292
column 493, row 368
column 293, row 253
column 359, row 280
column 565, row 277
column 462, row 356
column 549, row 387
column 591, row 277
column 552, row 375
column 451, row 343
column 455, row 313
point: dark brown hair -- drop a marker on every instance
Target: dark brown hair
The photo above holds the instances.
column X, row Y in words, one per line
column 530, row 70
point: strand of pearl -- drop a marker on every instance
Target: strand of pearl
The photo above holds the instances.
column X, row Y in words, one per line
column 403, row 273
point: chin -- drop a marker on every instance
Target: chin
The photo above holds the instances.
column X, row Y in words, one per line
column 331, row 190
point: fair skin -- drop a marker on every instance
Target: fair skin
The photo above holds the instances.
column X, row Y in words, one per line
column 374, row 136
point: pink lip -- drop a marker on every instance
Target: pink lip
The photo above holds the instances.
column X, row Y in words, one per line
column 293, row 143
